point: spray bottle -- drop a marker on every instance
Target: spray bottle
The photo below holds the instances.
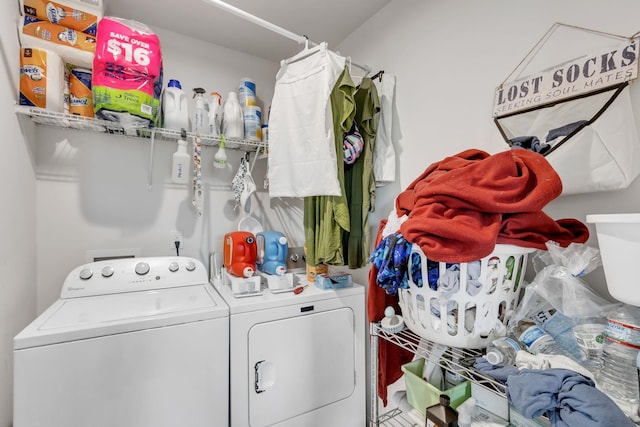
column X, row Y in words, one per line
column 200, row 123
column 181, row 161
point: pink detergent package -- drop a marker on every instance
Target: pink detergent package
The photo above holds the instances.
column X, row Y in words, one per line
column 127, row 73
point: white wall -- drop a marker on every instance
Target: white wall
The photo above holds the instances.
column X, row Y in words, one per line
column 93, row 189
column 449, row 57
column 17, row 216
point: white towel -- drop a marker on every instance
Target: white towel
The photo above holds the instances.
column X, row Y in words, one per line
column 302, row 155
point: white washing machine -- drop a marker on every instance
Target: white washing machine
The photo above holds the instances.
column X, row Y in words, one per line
column 134, row 342
column 297, row 360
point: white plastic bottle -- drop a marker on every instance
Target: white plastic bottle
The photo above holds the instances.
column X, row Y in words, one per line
column 215, row 114
column 200, row 122
column 465, row 412
column 232, row 117
column 452, row 376
column 180, row 165
column 619, row 356
column 175, row 111
column 502, row 351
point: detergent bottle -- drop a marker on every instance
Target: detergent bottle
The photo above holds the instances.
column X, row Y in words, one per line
column 200, row 121
column 215, row 114
column 240, row 253
column 175, row 111
column 232, row 117
column 272, row 252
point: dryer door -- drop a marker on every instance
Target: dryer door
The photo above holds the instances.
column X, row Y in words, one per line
column 299, row 364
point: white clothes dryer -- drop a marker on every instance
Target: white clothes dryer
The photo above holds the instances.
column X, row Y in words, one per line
column 136, row 342
column 297, row 359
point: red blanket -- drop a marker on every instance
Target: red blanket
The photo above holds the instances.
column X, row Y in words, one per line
column 460, row 207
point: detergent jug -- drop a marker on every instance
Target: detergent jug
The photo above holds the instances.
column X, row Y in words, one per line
column 240, row 253
column 174, row 107
column 272, row 252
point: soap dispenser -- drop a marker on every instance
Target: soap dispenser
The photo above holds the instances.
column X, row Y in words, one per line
column 200, row 123
column 181, row 161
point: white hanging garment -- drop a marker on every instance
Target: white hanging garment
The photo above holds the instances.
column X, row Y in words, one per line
column 384, row 153
column 302, row 156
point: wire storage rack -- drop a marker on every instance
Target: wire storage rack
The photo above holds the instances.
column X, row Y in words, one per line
column 45, row 117
column 412, row 342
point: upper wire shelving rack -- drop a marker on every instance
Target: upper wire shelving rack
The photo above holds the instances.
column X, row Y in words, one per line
column 44, row 117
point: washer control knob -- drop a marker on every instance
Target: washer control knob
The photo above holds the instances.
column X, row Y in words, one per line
column 190, row 266
column 86, row 274
column 173, row 267
column 294, row 257
column 107, row 271
column 142, row 268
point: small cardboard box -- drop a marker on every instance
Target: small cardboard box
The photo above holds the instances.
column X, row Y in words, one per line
column 315, row 270
column 334, row 280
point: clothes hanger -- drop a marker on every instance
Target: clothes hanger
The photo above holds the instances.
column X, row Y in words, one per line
column 378, row 76
column 306, row 52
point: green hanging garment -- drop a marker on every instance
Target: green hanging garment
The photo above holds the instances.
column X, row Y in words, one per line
column 326, row 218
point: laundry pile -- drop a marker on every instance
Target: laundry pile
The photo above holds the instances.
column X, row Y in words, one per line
column 457, row 210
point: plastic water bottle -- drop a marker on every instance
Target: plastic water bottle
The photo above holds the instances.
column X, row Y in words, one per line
column 616, row 376
column 502, row 351
column 538, row 341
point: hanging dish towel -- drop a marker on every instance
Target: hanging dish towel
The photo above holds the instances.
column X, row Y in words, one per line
column 237, row 183
column 302, row 154
column 197, row 175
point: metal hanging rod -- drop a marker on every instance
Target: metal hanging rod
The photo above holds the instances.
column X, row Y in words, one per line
column 270, row 26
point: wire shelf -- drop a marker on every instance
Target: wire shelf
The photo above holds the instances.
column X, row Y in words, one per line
column 456, row 359
column 45, row 117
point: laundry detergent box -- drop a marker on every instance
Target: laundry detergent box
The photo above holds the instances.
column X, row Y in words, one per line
column 334, row 280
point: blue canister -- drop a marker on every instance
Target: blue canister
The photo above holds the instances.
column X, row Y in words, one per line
column 273, row 248
column 247, row 92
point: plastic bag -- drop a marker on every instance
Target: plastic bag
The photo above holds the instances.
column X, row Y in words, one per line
column 577, row 258
column 558, row 282
column 558, row 301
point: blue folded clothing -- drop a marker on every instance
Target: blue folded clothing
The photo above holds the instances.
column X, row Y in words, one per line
column 566, row 397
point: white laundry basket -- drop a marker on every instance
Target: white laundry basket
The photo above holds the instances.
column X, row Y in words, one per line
column 473, row 313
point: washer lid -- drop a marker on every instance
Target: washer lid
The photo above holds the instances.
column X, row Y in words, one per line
column 95, row 316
